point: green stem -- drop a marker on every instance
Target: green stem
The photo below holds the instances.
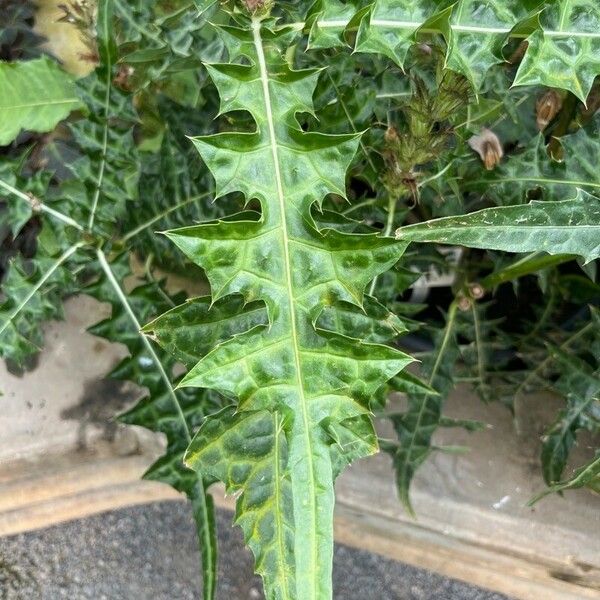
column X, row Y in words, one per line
column 447, row 333
column 59, row 261
column 435, row 175
column 105, row 109
column 479, row 349
column 202, row 505
column 162, row 214
column 351, row 121
column 389, row 225
column 37, row 205
column 355, row 207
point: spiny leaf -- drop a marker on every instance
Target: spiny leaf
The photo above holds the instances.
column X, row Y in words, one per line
column 586, row 476
column 415, row 427
column 407, row 383
column 565, row 36
column 561, row 227
column 174, row 188
column 191, row 330
column 175, row 413
column 36, row 95
column 373, row 323
column 476, row 33
column 565, row 52
column 249, row 452
column 389, row 27
column 106, row 174
column 33, row 292
column 327, row 20
column 307, row 390
column 580, row 386
column 16, row 210
column 162, row 45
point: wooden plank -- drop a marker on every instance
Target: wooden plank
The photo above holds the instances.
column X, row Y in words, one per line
column 79, row 486
column 485, row 567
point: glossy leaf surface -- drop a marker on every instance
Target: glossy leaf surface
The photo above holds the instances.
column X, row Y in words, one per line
column 565, row 51
column 562, row 227
column 307, row 392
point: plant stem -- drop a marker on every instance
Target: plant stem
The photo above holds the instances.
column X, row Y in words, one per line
column 37, row 205
column 354, row 207
column 162, row 214
column 389, row 225
column 447, row 332
column 434, row 176
column 108, row 83
column 479, row 349
column 59, row 261
column 202, row 504
column 123, row 299
column 351, row 121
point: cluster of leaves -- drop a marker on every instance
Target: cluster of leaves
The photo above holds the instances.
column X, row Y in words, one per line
column 76, row 197
column 313, row 299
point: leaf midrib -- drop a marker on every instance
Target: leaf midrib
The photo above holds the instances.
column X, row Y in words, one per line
column 264, row 78
column 397, row 24
column 7, row 107
column 413, row 25
column 100, row 179
column 418, row 229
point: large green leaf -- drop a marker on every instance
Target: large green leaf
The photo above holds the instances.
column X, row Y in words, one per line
column 305, row 391
column 565, row 51
column 561, row 227
column 36, row 95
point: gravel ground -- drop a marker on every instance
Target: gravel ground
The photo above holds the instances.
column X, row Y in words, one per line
column 150, row 553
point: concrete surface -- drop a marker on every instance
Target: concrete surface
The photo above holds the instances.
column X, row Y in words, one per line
column 150, row 553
